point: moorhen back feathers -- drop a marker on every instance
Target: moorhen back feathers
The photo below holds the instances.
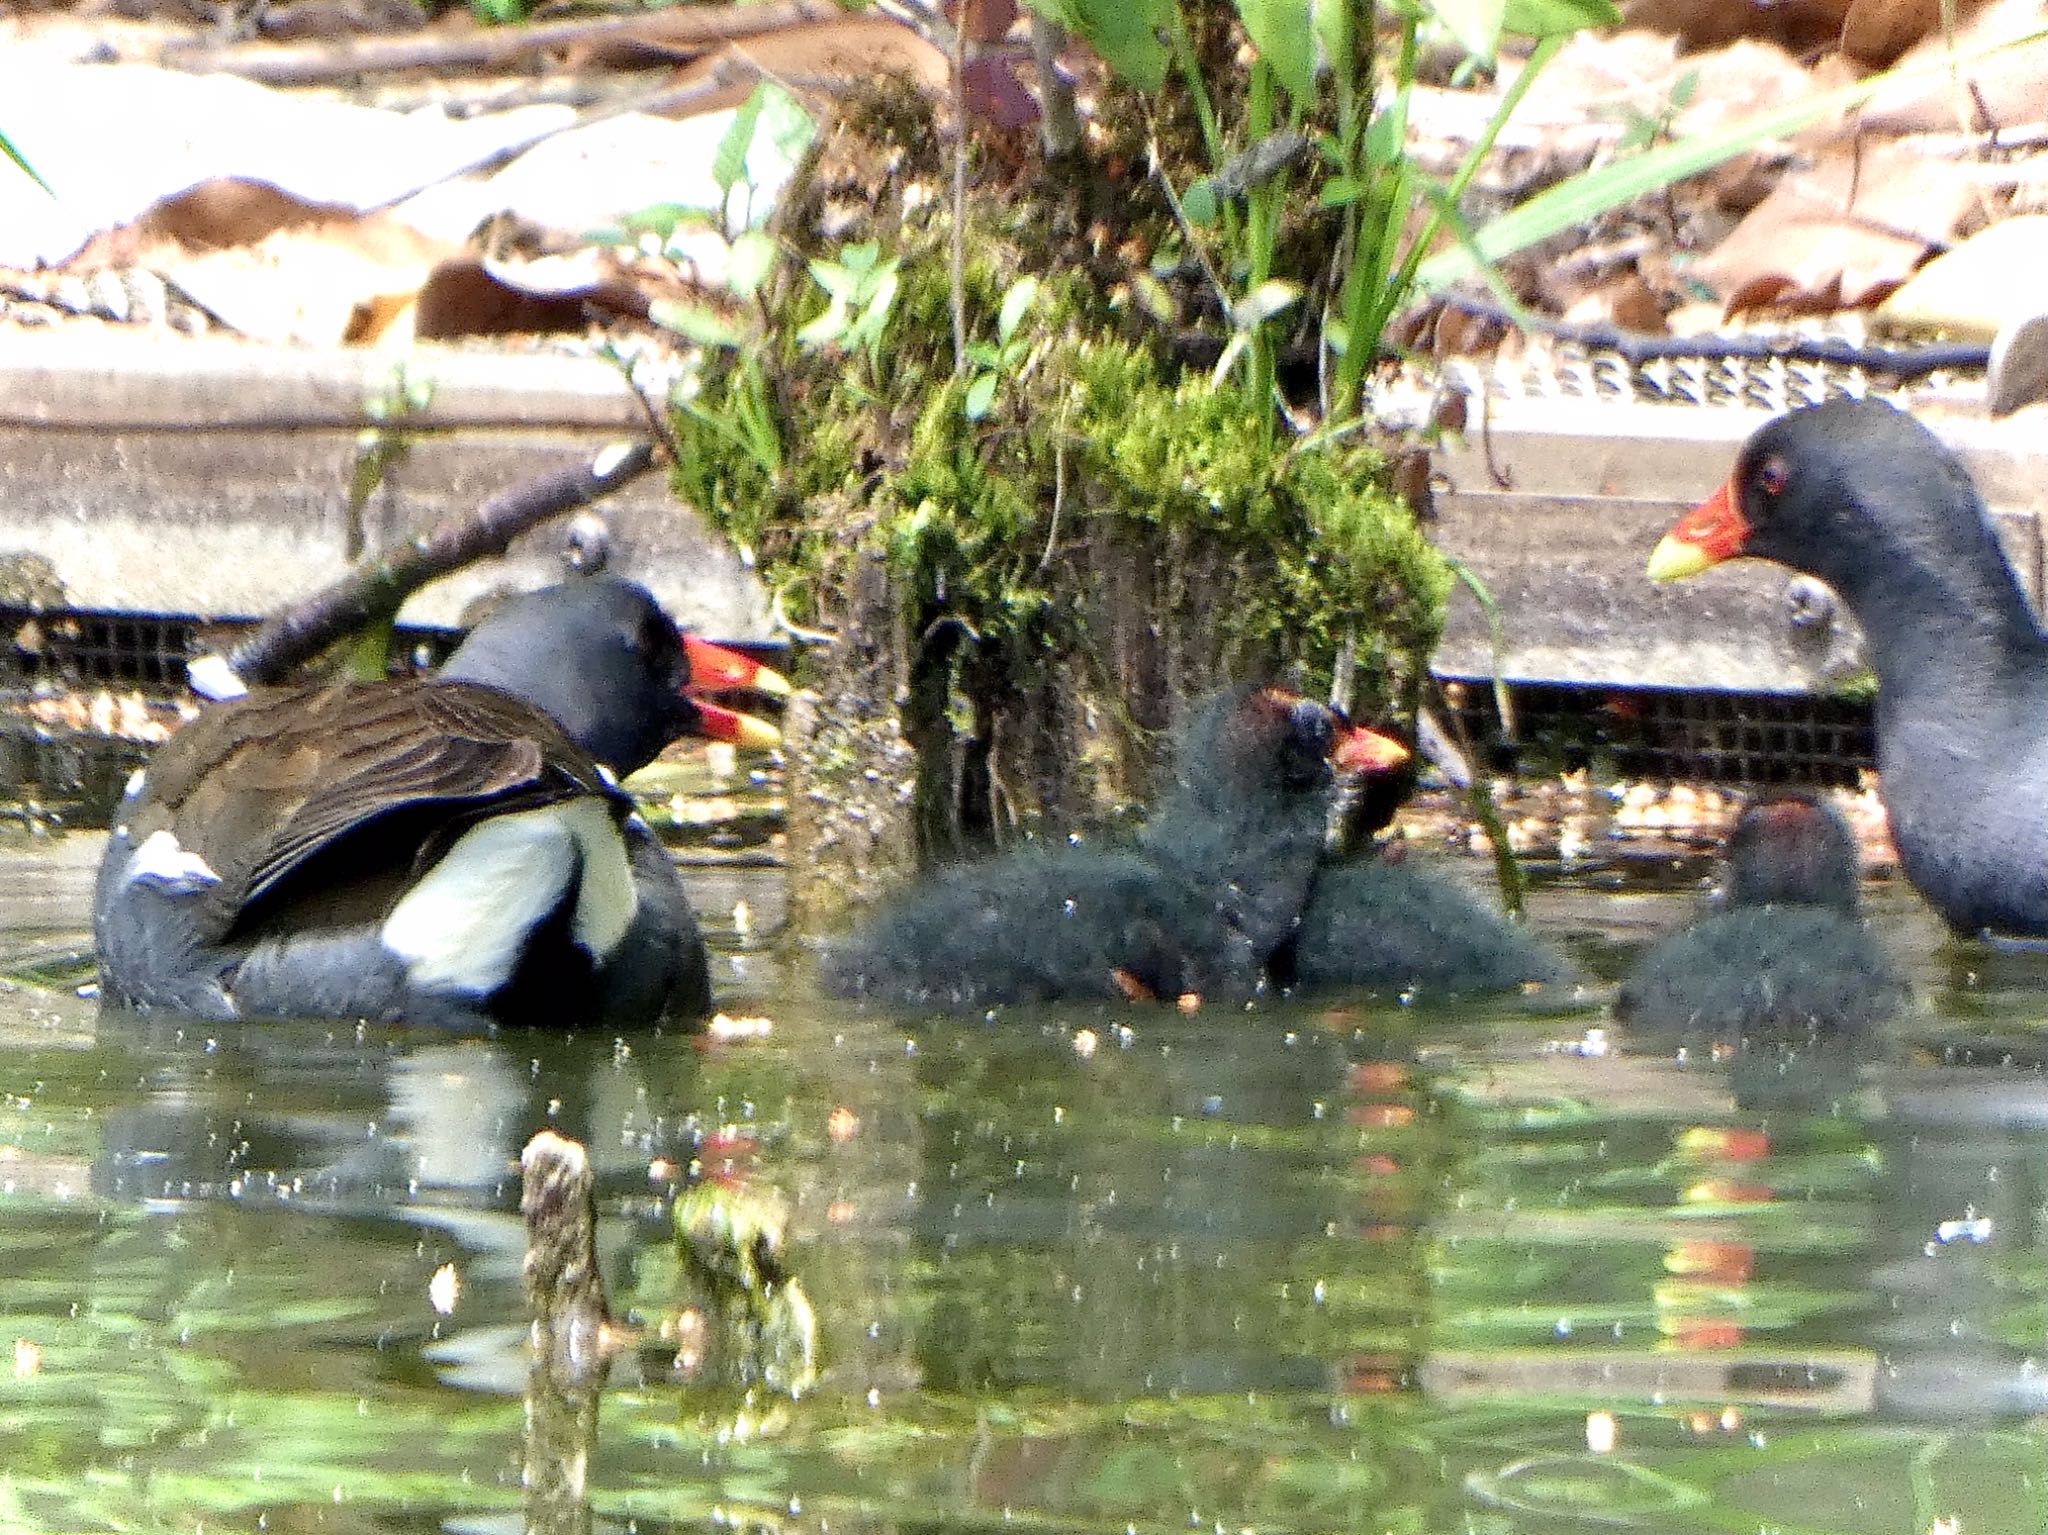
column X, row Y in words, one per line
column 1785, row 959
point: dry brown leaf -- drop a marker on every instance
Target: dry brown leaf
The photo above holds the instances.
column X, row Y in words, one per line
column 828, row 55
column 2005, row 90
column 1601, row 83
column 268, row 264
column 1876, row 32
column 1975, row 290
column 473, row 296
column 1841, row 234
column 1624, row 300
column 1800, row 25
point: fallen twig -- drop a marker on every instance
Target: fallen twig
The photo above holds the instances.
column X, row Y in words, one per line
column 1902, row 363
column 376, row 588
column 683, row 29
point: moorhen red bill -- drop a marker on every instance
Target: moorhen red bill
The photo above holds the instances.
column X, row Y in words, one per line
column 448, row 850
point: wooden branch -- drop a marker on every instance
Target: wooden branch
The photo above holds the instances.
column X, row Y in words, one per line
column 375, row 589
column 682, row 29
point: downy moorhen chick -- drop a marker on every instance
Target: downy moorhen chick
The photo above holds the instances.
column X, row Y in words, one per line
column 450, row 850
column 1785, row 957
column 1386, row 923
column 1868, row 500
column 1212, row 885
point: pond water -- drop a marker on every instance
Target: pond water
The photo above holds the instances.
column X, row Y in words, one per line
column 1361, row 1267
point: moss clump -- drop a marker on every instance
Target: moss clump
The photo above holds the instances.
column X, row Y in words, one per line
column 1111, row 536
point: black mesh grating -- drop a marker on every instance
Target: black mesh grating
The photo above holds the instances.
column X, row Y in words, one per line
column 138, row 652
column 1686, row 735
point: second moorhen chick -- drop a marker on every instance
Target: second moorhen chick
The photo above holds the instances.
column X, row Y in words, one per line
column 1785, row 958
column 1871, row 502
column 1387, row 923
column 451, row 850
column 1211, row 887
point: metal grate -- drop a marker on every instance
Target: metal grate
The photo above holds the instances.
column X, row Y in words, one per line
column 139, row 652
column 1680, row 734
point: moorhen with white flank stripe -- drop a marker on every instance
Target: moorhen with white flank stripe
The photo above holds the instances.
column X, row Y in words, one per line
column 1196, row 906
column 1871, row 502
column 448, row 850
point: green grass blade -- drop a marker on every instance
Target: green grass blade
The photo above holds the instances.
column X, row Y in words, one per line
column 1574, row 202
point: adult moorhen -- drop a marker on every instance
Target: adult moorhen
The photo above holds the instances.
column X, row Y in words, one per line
column 1868, row 500
column 450, row 850
column 1786, row 958
column 1211, row 887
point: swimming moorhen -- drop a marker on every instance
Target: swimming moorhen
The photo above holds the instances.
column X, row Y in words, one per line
column 1384, row 923
column 1212, row 885
column 451, row 850
column 1785, row 958
column 1864, row 497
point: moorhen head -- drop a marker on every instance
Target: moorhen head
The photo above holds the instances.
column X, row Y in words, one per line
column 450, row 849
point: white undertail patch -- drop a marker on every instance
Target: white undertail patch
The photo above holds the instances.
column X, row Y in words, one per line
column 212, row 678
column 464, row 925
column 160, row 861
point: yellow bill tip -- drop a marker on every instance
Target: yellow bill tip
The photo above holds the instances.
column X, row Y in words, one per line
column 1675, row 558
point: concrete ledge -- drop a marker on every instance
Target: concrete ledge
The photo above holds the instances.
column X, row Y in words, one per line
column 210, row 477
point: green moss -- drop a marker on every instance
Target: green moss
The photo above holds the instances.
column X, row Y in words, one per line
column 1087, row 429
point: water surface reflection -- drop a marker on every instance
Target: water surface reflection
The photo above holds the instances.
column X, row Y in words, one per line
column 1363, row 1267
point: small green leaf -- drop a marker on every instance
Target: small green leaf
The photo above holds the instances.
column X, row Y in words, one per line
column 1332, row 21
column 983, row 355
column 752, row 259
column 1127, row 33
column 1263, row 302
column 1017, row 302
column 981, row 394
column 1152, row 297
column 860, row 258
column 844, row 284
column 1282, row 32
column 1687, row 87
column 1557, row 18
column 1199, row 204
column 14, row 154
column 827, row 328
column 1384, row 135
column 1341, row 192
column 729, row 162
column 1476, row 24
column 695, row 322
